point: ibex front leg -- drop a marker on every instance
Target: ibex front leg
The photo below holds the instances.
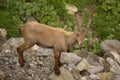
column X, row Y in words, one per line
column 57, row 62
column 20, row 50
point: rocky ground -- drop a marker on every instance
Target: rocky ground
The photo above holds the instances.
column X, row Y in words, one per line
column 80, row 65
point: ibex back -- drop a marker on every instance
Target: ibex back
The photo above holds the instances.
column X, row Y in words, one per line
column 47, row 37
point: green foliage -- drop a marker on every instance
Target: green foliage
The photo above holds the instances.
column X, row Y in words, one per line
column 81, row 4
column 106, row 21
column 2, row 3
column 76, row 46
column 95, row 47
column 45, row 11
column 105, row 24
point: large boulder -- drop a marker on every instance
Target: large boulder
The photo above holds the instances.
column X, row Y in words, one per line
column 82, row 53
column 70, row 59
column 10, row 45
column 114, row 67
column 91, row 68
column 65, row 75
column 109, row 45
column 106, row 76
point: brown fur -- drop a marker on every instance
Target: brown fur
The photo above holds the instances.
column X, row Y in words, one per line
column 46, row 37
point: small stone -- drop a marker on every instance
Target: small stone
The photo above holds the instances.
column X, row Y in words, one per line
column 65, row 75
column 82, row 53
column 37, row 78
column 76, row 74
column 40, row 63
column 95, row 69
column 85, row 78
column 32, row 65
column 94, row 77
column 72, row 9
column 2, row 74
column 1, row 62
column 10, row 75
column 106, row 76
column 117, row 77
column 83, row 65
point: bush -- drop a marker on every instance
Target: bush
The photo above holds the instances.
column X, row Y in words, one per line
column 48, row 12
column 106, row 21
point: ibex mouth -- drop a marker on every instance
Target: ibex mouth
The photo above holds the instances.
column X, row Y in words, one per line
column 80, row 43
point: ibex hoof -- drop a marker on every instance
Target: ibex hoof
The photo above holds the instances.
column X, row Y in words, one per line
column 22, row 65
column 23, row 60
column 60, row 64
column 57, row 71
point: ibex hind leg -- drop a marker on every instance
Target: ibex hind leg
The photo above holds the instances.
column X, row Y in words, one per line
column 20, row 50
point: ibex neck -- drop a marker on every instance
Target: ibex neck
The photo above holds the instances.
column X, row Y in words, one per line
column 71, row 39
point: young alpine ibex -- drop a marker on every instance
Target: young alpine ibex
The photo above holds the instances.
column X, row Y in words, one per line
column 48, row 37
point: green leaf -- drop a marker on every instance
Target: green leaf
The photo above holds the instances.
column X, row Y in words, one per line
column 118, row 8
column 109, row 7
column 108, row 1
column 104, row 7
column 115, row 11
column 100, row 1
column 76, row 46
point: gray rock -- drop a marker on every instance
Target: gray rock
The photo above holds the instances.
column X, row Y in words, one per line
column 3, row 34
column 95, row 60
column 2, row 75
column 106, row 76
column 82, row 53
column 83, row 65
column 96, row 63
column 117, row 77
column 85, row 78
column 70, row 59
column 65, row 75
column 39, row 61
column 94, row 77
column 10, row 45
column 91, row 64
column 114, row 66
column 109, row 45
column 95, row 69
column 2, row 61
column 116, row 56
column 76, row 73
column 39, row 64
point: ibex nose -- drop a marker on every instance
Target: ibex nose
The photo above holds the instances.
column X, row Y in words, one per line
column 80, row 43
